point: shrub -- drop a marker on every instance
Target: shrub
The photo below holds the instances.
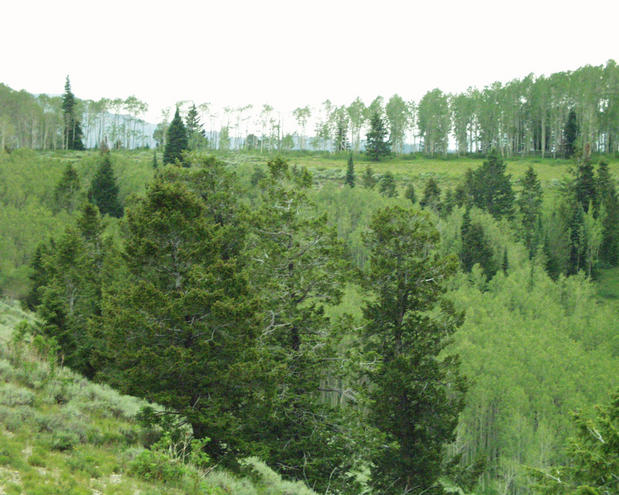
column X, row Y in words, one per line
column 15, row 418
column 63, row 440
column 156, row 466
column 14, row 395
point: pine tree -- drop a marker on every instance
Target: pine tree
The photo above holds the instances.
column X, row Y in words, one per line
column 505, row 264
column 490, row 187
column 350, row 172
column 155, row 162
column 369, row 180
column 377, row 146
column 570, row 134
column 196, row 137
column 431, row 196
column 448, row 203
column 410, row 193
column 414, row 396
column 585, row 184
column 180, row 325
column 529, row 206
column 387, row 185
column 176, row 141
column 67, row 190
column 607, row 207
column 72, row 128
column 104, row 189
column 475, row 247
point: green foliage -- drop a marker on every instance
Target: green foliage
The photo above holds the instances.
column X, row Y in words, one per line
column 104, row 190
column 369, row 180
column 476, row 248
column 386, row 185
column 570, row 134
column 431, row 196
column 530, row 209
column 350, row 173
column 377, row 146
column 67, row 190
column 593, row 456
column 196, row 137
column 490, row 188
column 414, row 397
column 409, row 193
column 176, row 141
column 72, row 126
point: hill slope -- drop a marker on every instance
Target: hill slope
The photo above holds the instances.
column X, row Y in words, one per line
column 61, row 434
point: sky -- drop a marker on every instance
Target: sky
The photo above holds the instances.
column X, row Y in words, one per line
column 295, row 52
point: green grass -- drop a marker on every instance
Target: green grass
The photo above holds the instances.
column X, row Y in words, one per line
column 63, row 435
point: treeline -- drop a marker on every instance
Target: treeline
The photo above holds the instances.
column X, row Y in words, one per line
column 40, row 121
column 543, row 115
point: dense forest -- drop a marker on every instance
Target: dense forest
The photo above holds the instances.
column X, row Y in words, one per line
column 360, row 322
column 520, row 117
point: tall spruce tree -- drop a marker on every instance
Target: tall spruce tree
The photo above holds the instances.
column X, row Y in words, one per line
column 176, row 141
column 369, row 180
column 377, row 146
column 67, row 190
column 529, row 206
column 585, row 184
column 608, row 211
column 72, row 129
column 414, row 395
column 350, row 172
column 104, row 189
column 475, row 247
column 409, row 193
column 431, row 196
column 196, row 137
column 490, row 187
column 570, row 134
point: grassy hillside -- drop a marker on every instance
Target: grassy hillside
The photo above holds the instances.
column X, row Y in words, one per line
column 60, row 434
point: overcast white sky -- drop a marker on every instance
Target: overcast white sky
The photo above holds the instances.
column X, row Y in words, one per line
column 291, row 53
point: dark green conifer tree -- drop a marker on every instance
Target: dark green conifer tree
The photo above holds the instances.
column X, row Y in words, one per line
column 490, row 187
column 570, row 134
column 377, row 145
column 475, row 248
column 529, row 206
column 369, row 180
column 409, row 193
column 350, row 172
column 505, row 264
column 448, row 203
column 155, row 162
column 431, row 196
column 585, row 184
column 104, row 189
column 72, row 128
column 414, row 395
column 176, row 141
column 607, row 207
column 387, row 185
column 196, row 137
column 67, row 190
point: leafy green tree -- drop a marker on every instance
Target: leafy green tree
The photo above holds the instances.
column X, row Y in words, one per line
column 67, row 190
column 340, row 138
column 434, row 121
column 386, row 185
column 72, row 127
column 104, row 189
column 299, row 270
column 176, row 141
column 377, row 146
column 570, row 134
column 350, row 172
column 398, row 115
column 529, row 206
column 369, row 180
column 593, row 456
column 431, row 195
column 415, row 396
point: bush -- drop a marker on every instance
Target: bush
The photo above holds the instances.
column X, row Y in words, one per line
column 63, row 440
column 14, row 395
column 156, row 466
column 7, row 372
column 15, row 418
